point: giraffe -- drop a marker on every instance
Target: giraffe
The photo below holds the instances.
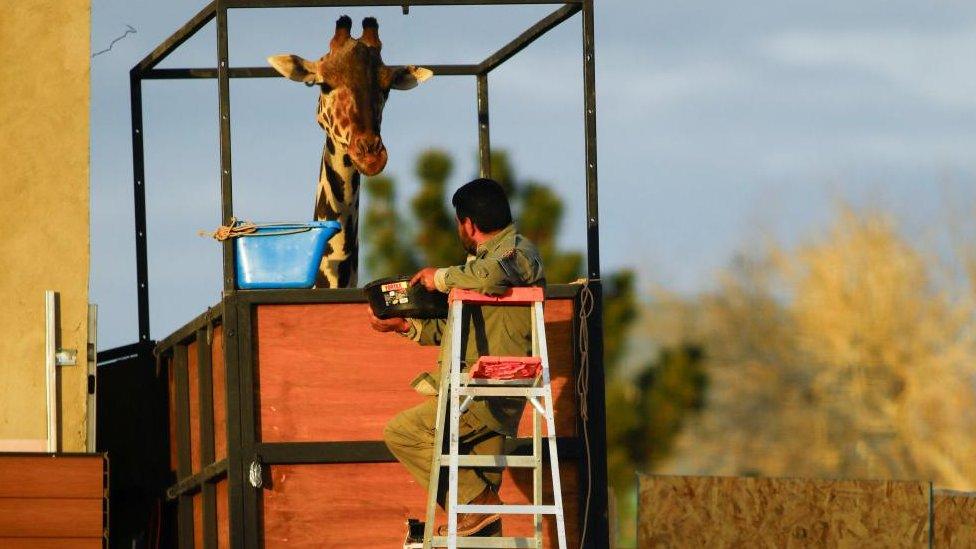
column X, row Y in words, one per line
column 354, row 85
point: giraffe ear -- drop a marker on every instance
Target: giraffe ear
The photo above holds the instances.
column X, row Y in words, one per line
column 408, row 77
column 295, row 68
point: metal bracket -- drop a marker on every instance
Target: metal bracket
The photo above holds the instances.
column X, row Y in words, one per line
column 66, row 357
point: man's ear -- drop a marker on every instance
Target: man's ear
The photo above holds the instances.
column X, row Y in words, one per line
column 295, row 68
column 408, row 77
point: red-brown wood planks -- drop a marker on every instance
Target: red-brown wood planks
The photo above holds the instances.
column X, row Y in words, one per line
column 193, row 377
column 50, row 517
column 223, row 518
column 51, row 543
column 219, row 394
column 44, row 476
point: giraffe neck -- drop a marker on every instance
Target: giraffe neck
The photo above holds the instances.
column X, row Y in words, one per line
column 337, row 199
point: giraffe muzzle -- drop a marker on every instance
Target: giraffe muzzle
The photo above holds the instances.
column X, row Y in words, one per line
column 369, row 155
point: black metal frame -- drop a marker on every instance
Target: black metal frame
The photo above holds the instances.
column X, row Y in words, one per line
column 236, row 308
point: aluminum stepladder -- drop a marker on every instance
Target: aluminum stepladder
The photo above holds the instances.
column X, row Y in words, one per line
column 461, row 385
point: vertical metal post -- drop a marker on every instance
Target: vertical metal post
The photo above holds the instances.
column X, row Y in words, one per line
column 597, row 524
column 51, row 368
column 226, row 187
column 484, row 141
column 92, row 356
column 139, row 193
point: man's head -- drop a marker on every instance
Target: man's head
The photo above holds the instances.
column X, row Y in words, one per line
column 482, row 210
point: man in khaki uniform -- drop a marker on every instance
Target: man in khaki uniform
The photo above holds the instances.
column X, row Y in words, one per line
column 499, row 258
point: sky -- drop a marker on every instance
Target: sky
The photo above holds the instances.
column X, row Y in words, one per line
column 720, row 124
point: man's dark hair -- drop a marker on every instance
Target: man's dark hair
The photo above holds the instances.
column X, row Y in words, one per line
column 484, row 202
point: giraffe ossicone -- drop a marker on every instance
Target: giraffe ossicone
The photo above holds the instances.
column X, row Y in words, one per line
column 354, row 85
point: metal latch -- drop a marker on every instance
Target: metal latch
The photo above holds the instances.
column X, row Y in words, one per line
column 66, row 357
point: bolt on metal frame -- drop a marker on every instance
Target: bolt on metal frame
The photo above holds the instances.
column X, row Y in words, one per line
column 235, row 311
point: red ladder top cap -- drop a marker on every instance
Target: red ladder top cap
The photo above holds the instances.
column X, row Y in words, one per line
column 514, row 296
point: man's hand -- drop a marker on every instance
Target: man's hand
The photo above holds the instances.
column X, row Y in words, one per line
column 399, row 325
column 425, row 276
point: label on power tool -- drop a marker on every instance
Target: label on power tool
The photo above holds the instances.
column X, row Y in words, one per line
column 395, row 293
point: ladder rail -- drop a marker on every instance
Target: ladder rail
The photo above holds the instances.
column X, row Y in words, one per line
column 557, row 492
column 536, row 441
column 452, row 487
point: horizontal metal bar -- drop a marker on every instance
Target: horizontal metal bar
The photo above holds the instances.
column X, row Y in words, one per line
column 195, row 482
column 183, row 34
column 356, row 295
column 510, row 509
column 323, row 452
column 188, row 331
column 490, row 461
column 283, row 453
column 502, row 391
column 481, row 541
column 269, row 72
column 370, row 3
column 125, row 351
column 530, row 35
column 467, row 380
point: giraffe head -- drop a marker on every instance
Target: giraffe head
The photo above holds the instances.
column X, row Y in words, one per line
column 354, row 86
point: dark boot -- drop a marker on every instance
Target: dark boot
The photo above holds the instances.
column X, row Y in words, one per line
column 470, row 524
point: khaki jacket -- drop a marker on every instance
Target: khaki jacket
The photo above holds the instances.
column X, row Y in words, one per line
column 508, row 259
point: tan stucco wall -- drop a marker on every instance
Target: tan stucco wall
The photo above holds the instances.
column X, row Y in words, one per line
column 44, row 105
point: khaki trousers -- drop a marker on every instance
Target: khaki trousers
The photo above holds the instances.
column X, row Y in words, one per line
column 410, row 437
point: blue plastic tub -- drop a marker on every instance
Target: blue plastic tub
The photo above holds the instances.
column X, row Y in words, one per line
column 282, row 255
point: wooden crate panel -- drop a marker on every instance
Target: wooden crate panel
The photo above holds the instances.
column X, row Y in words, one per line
column 324, row 375
column 680, row 511
column 219, row 394
column 954, row 519
column 51, row 543
column 193, row 372
column 223, row 516
column 51, row 477
column 366, row 505
column 50, row 517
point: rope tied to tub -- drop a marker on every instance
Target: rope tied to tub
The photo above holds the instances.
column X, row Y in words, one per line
column 235, row 229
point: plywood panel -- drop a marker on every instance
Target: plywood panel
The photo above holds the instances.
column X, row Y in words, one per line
column 51, row 477
column 223, row 518
column 751, row 512
column 219, row 394
column 954, row 519
column 193, row 377
column 50, row 517
column 324, row 375
column 366, row 505
column 51, row 543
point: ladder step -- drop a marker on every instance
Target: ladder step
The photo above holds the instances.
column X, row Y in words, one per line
column 503, row 391
column 473, row 541
column 510, row 509
column 490, row 461
column 482, row 382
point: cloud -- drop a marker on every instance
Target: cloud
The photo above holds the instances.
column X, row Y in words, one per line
column 937, row 66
